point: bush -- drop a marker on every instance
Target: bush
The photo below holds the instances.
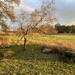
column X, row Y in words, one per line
column 67, row 56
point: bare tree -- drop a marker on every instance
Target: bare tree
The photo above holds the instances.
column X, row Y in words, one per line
column 28, row 21
column 24, row 24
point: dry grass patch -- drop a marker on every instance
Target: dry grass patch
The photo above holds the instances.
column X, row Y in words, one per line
column 59, row 46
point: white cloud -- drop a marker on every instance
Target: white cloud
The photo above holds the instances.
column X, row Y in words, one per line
column 27, row 8
column 24, row 7
column 65, row 11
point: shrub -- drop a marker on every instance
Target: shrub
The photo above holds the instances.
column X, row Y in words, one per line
column 68, row 56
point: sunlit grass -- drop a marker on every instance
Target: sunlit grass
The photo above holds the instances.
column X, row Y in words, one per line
column 52, row 38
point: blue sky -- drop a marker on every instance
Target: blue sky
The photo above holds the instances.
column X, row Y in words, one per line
column 65, row 9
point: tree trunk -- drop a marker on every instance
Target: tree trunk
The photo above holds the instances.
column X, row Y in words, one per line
column 24, row 46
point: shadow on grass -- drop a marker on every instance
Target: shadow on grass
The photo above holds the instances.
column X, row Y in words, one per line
column 33, row 52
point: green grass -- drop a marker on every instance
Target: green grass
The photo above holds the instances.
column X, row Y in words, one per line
column 33, row 61
column 53, row 38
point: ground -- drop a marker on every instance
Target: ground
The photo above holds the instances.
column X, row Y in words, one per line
column 33, row 61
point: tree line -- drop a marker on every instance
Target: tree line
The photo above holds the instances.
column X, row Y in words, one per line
column 49, row 29
column 65, row 29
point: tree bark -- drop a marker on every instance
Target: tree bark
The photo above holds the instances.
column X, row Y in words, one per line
column 24, row 45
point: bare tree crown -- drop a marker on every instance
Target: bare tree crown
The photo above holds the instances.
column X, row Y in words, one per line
column 45, row 14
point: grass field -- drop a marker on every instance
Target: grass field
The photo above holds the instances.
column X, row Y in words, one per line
column 54, row 38
column 33, row 61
